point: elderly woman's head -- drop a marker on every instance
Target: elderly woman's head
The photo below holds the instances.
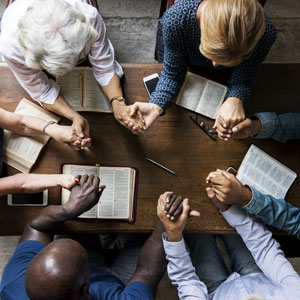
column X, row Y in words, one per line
column 230, row 29
column 52, row 34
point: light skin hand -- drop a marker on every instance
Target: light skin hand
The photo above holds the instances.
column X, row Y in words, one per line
column 247, row 128
column 67, row 135
column 122, row 115
column 217, row 203
column 149, row 111
column 229, row 114
column 174, row 229
column 228, row 189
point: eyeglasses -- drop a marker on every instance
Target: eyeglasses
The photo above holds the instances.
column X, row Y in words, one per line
column 209, row 131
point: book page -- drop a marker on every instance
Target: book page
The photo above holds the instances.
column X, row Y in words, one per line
column 94, row 98
column 72, row 88
column 79, row 170
column 265, row 174
column 191, row 91
column 115, row 198
column 211, row 99
column 20, row 152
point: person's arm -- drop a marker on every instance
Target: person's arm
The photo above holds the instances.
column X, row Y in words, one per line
column 264, row 249
column 34, row 183
column 241, row 83
column 32, row 126
column 180, row 269
column 151, row 263
column 83, row 197
column 275, row 212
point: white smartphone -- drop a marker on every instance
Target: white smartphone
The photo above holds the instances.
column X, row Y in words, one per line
column 36, row 199
column 150, row 83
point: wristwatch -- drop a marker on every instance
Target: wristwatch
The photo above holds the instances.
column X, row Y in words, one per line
column 119, row 98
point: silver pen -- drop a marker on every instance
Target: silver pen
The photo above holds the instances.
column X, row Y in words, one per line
column 159, row 165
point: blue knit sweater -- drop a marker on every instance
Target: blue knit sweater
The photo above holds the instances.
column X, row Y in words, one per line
column 181, row 40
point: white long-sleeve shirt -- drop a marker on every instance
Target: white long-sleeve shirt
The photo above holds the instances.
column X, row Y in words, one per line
column 36, row 82
column 279, row 280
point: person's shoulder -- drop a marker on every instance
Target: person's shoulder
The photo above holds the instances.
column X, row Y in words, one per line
column 105, row 285
column 270, row 33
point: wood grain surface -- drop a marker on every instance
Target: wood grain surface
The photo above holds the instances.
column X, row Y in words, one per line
column 174, row 141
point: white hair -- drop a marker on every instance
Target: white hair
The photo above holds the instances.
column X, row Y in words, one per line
column 52, row 34
column 253, row 297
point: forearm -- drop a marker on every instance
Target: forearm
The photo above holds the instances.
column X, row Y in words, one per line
column 264, row 249
column 28, row 183
column 181, row 271
column 151, row 262
column 43, row 227
column 113, row 89
column 62, row 107
column 281, row 128
column 275, row 212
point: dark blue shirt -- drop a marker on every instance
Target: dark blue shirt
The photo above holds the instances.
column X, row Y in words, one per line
column 103, row 285
column 181, row 40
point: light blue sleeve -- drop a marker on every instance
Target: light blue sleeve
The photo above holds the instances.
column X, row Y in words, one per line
column 275, row 212
column 281, row 128
column 265, row 250
column 182, row 272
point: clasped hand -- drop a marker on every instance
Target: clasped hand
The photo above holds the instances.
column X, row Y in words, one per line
column 173, row 212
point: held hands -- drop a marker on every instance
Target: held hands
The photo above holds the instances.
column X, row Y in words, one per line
column 177, row 205
column 123, row 116
column 230, row 114
column 149, row 111
column 67, row 135
column 83, row 196
column 248, row 127
column 226, row 190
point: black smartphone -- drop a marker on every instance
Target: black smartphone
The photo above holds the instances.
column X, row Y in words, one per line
column 36, row 199
column 150, row 83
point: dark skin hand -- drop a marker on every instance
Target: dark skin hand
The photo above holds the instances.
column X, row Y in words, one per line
column 174, row 207
column 83, row 197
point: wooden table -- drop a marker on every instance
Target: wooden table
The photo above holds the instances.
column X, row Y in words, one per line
column 174, row 140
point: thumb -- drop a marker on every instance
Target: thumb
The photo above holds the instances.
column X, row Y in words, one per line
column 134, row 109
column 194, row 213
column 239, row 127
column 78, row 129
column 210, row 193
column 186, row 209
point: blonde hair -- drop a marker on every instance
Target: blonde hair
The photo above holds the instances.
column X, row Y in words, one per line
column 230, row 29
column 52, row 34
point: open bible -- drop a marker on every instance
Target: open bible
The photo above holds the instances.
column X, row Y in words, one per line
column 201, row 95
column 118, row 200
column 21, row 152
column 264, row 173
column 81, row 90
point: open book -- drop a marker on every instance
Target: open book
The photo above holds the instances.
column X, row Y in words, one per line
column 201, row 95
column 22, row 152
column 81, row 90
column 266, row 174
column 118, row 200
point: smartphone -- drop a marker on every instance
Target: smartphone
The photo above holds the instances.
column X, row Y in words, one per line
column 232, row 170
column 36, row 199
column 150, row 83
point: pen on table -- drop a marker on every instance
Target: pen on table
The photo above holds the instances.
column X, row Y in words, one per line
column 159, row 165
column 81, row 89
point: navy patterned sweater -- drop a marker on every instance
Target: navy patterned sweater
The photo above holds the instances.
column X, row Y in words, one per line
column 181, row 40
